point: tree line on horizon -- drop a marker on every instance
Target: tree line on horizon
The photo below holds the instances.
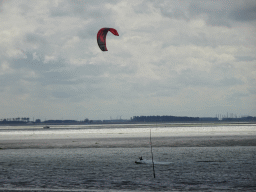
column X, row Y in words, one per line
column 162, row 118
column 134, row 119
column 180, row 119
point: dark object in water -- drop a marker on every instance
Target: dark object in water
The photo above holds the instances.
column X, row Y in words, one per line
column 46, row 127
column 141, row 162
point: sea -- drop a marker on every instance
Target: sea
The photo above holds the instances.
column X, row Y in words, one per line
column 104, row 168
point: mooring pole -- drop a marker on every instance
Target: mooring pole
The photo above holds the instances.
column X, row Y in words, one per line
column 152, row 156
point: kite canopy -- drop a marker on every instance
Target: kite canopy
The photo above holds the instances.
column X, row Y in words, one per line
column 101, row 37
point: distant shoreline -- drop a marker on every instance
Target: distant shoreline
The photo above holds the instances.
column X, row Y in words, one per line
column 174, row 123
column 138, row 124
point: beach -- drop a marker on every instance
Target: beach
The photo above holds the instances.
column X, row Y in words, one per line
column 136, row 135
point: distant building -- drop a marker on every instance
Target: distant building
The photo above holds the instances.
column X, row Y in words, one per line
column 38, row 121
column 242, row 119
column 96, row 121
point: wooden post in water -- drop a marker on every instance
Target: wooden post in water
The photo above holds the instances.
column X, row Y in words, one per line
column 152, row 156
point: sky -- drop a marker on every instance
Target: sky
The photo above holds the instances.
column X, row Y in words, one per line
column 182, row 58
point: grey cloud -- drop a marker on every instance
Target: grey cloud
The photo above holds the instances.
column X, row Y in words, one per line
column 194, row 78
column 46, row 73
column 58, row 72
column 236, row 96
column 30, row 63
column 34, row 38
column 24, row 8
column 63, row 84
column 73, row 83
column 60, row 78
column 141, row 7
column 94, row 70
column 9, row 79
column 252, row 91
column 91, row 70
column 244, row 14
column 38, row 42
column 204, row 79
column 14, row 83
column 153, row 88
column 230, row 82
column 199, row 39
column 172, row 9
column 90, row 30
column 217, row 13
column 1, row 6
column 245, row 58
column 93, row 9
column 167, row 92
column 61, row 94
column 63, row 9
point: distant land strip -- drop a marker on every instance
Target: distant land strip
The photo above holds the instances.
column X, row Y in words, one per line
column 132, row 120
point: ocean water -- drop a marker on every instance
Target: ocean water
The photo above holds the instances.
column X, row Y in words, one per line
column 113, row 169
column 102, row 158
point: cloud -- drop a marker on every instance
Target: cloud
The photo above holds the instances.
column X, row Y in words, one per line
column 245, row 58
column 178, row 58
column 245, row 13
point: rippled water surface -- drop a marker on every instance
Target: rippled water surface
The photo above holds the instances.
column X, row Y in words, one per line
column 190, row 168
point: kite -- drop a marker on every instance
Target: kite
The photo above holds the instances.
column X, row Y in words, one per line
column 101, row 37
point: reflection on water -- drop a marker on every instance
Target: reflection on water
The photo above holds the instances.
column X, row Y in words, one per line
column 193, row 168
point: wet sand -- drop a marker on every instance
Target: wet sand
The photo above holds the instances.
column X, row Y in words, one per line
column 132, row 142
column 128, row 136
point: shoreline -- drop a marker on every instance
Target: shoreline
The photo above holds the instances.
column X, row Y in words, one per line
column 124, row 132
column 126, row 125
column 131, row 142
column 128, row 136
